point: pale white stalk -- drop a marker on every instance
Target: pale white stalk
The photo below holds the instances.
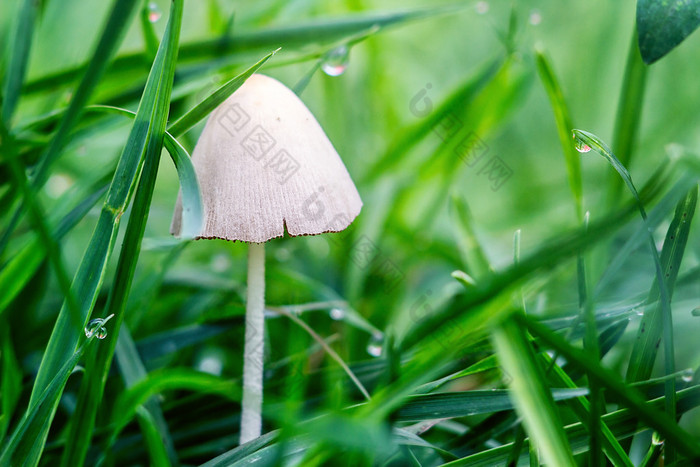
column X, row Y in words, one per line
column 251, row 412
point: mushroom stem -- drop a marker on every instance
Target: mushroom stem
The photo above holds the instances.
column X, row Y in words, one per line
column 251, row 412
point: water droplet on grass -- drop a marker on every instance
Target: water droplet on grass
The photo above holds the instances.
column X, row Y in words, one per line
column 336, row 314
column 154, row 12
column 336, row 61
column 96, row 328
column 580, row 145
column 656, row 439
column 696, row 311
column 687, row 375
column 375, row 346
column 482, row 7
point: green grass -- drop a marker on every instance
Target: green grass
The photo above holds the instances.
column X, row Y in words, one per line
column 422, row 335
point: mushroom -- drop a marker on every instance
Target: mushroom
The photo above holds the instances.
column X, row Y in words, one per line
column 265, row 166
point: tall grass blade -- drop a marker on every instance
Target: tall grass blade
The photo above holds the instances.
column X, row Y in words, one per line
column 531, row 397
column 562, row 119
column 591, row 141
column 629, row 113
column 96, row 374
column 152, row 111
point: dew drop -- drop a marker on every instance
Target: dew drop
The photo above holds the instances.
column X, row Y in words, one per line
column 154, row 12
column 95, row 328
column 336, row 314
column 336, row 61
column 535, row 17
column 482, row 7
column 687, row 375
column 374, row 348
column 656, row 439
column 580, row 145
column 696, row 311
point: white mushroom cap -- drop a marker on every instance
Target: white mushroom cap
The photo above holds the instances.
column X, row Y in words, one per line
column 264, row 163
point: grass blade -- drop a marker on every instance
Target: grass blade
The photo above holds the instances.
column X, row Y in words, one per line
column 582, row 408
column 201, row 110
column 622, row 422
column 563, row 122
column 96, row 374
column 86, row 284
column 628, row 395
column 646, row 344
column 461, row 404
column 531, row 397
column 11, row 385
column 161, row 381
column 20, row 45
column 192, row 210
column 150, row 415
column 629, row 113
column 152, row 436
column 22, row 445
column 585, row 140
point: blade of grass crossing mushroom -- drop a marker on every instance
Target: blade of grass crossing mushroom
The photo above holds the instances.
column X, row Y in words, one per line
column 584, row 140
column 192, row 210
column 204, row 108
column 531, row 397
column 91, row 270
column 96, row 374
column 628, row 395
